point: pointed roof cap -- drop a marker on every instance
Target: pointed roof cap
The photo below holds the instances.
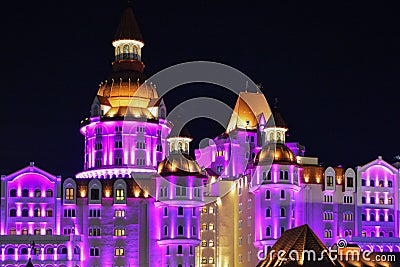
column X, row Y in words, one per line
column 276, row 115
column 29, row 264
column 299, row 239
column 128, row 28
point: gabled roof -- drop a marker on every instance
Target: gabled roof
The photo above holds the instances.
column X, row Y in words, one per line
column 128, row 28
column 380, row 162
column 299, row 239
column 31, row 169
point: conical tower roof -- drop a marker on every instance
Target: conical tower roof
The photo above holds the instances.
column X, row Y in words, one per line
column 301, row 240
column 29, row 264
column 128, row 28
column 277, row 116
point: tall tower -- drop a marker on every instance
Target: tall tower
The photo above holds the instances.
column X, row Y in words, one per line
column 126, row 130
column 275, row 184
column 179, row 199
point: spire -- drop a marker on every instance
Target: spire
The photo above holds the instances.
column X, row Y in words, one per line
column 276, row 115
column 128, row 28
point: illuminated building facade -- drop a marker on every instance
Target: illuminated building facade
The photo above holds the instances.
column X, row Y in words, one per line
column 257, row 186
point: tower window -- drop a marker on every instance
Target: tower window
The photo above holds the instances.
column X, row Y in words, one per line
column 180, row 230
column 13, row 193
column 25, row 193
column 69, row 193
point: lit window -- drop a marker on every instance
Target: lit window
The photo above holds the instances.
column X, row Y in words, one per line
column 204, row 243
column 69, row 193
column 211, row 243
column 211, row 210
column 120, row 194
column 329, row 180
column 119, row 252
column 119, row 213
column 211, row 226
column 119, row 232
column 13, row 231
column 38, row 193
column 49, row 193
column 24, row 231
column 204, row 226
column 211, row 260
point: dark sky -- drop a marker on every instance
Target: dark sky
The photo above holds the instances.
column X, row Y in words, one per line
column 333, row 65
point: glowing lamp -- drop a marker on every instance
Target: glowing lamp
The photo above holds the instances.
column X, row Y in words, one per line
column 137, row 193
column 83, row 193
column 107, row 193
column 146, row 194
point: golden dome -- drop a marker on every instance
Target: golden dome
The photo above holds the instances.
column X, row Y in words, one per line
column 124, row 92
column 179, row 165
column 278, row 152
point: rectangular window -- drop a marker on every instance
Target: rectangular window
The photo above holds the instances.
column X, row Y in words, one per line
column 119, row 232
column 69, row 194
column 329, row 181
column 349, row 181
column 120, row 194
column 119, row 213
column 95, row 194
column 119, row 252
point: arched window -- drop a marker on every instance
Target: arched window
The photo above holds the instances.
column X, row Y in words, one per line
column 282, row 193
column 381, row 234
column 372, row 234
column 36, row 232
column 25, row 213
column 49, row 251
column 204, row 243
column 180, row 230
column 49, row 231
column 268, row 231
column 13, row 231
column 390, row 184
column 36, row 213
column 126, row 52
column 38, row 193
column 64, row 251
column 268, row 213
column 279, row 136
column 204, row 226
column 13, row 193
column 372, row 200
column 24, row 251
column 179, row 249
column 372, row 183
column 372, row 217
column 381, row 218
column 346, row 233
column 204, row 260
column 25, row 193
column 77, row 251
column 390, row 218
column 390, row 234
column 363, row 217
column 24, row 231
column 13, row 213
column 180, row 211
column 381, row 183
column 283, row 212
column 10, row 251
column 211, row 260
column 180, row 146
column 211, row 243
column 267, row 194
column 49, row 193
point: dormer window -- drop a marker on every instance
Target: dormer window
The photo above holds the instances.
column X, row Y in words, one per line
column 69, row 193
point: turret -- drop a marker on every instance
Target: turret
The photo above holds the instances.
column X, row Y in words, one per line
column 179, row 199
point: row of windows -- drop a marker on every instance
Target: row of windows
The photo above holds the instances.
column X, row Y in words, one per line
column 381, row 183
column 373, row 234
column 210, row 260
column 36, row 213
column 180, row 230
column 37, row 193
column 347, row 216
column 209, row 210
column 268, row 213
column 118, row 129
column 37, row 251
column 95, row 194
column 118, row 161
column 268, row 230
column 180, row 250
column 283, row 175
column 381, row 201
column 210, row 226
column 380, row 218
column 24, row 231
column 180, row 211
column 268, row 194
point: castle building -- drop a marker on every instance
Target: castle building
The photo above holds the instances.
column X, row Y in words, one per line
column 142, row 200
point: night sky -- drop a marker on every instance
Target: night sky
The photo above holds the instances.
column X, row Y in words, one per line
column 334, row 67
